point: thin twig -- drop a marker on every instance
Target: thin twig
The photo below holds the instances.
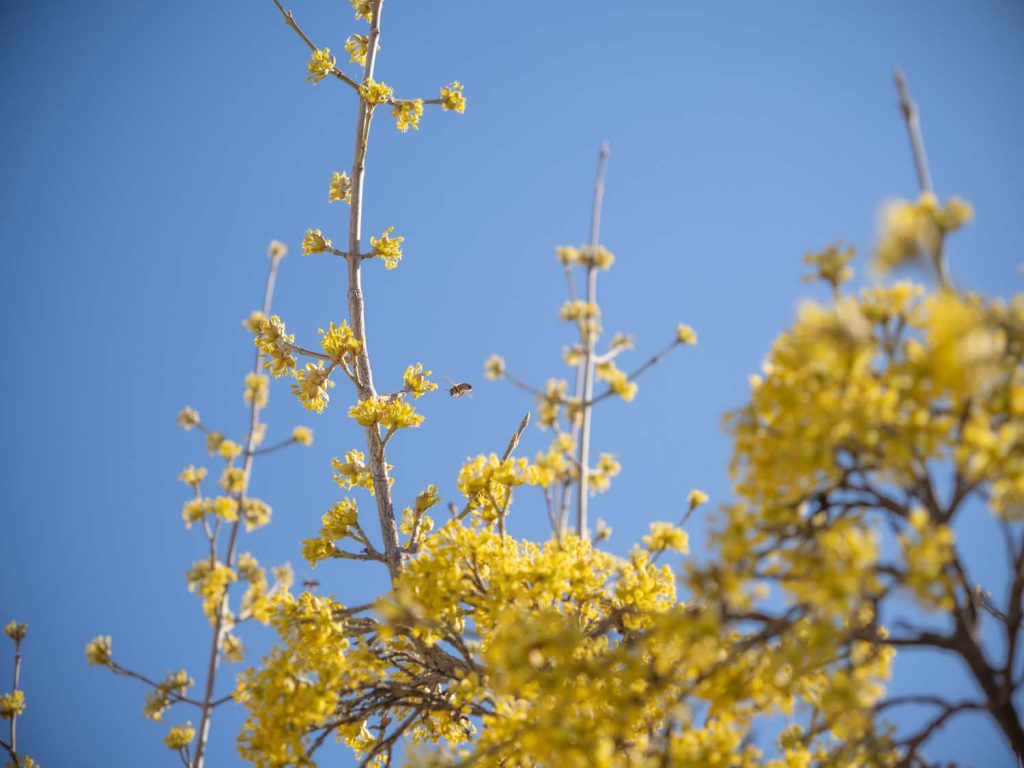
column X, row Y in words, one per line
column 589, row 343
column 222, row 607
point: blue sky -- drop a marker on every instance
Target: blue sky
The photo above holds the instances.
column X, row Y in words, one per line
column 151, row 150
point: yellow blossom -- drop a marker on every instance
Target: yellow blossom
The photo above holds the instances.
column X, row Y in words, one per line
column 357, row 46
column 12, row 704
column 188, row 418
column 685, row 334
column 257, row 387
column 363, row 9
column 695, row 498
column 311, row 385
column 375, row 93
column 276, row 345
column 98, row 651
column 254, row 322
column 192, row 476
column 494, row 367
column 388, row 248
column 407, row 114
column 416, row 382
column 452, row 98
column 302, row 435
column 321, row 64
column 340, row 189
column 180, row 736
column 339, row 342
column 315, row 242
column 16, row 630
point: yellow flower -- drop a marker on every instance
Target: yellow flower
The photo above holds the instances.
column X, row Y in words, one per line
column 232, row 479
column 415, row 380
column 830, row 265
column 357, row 46
column 452, row 98
column 666, row 536
column 685, row 334
column 16, row 631
column 276, row 344
column 353, row 471
column 388, row 248
column 338, row 342
column 187, row 418
column 98, row 651
column 257, row 387
column 311, row 385
column 255, row 512
column 315, row 242
column 567, row 254
column 375, row 93
column 696, row 498
column 596, row 256
column 229, row 449
column 303, row 435
column 232, row 648
column 12, row 704
column 494, row 367
column 321, row 64
column 192, row 475
column 363, row 9
column 254, row 322
column 340, row 189
column 617, row 380
column 180, row 736
column 407, row 114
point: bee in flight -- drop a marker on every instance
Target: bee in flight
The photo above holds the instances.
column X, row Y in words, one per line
column 310, row 583
column 458, row 390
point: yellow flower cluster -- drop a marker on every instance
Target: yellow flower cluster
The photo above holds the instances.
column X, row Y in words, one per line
column 321, row 64
column 389, row 412
column 685, row 334
column 617, row 380
column 254, row 322
column 927, row 553
column 586, row 256
column 340, row 344
column 912, row 231
column 452, row 98
column 12, row 704
column 311, row 385
column 353, row 471
column 416, row 382
column 210, row 581
column 363, row 9
column 357, row 46
column 487, row 483
column 302, row 435
column 340, row 189
column 557, row 465
column 188, row 418
column 276, row 345
column 315, row 242
column 98, row 651
column 831, row 265
column 375, row 93
column 166, row 692
column 494, row 368
column 180, row 736
column 601, row 475
column 257, row 389
column 407, row 114
column 388, row 248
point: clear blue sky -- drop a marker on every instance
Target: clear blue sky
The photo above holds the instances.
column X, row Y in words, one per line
column 151, row 150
